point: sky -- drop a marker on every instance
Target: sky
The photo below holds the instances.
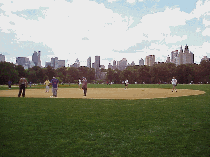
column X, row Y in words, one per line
column 111, row 29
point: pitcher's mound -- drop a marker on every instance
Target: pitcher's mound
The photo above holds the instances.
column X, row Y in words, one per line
column 105, row 93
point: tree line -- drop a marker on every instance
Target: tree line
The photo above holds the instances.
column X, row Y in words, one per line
column 163, row 73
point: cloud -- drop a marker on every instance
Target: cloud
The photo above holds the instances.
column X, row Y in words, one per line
column 131, row 1
column 85, row 38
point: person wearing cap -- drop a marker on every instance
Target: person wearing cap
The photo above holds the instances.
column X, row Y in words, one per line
column 84, row 85
column 54, row 83
column 22, row 85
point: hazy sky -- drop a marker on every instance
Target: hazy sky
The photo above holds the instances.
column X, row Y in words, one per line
column 112, row 29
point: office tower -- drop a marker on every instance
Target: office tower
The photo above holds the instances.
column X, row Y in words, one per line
column 2, row 58
column 122, row 64
column 205, row 58
column 188, row 57
column 141, row 62
column 97, row 62
column 174, row 55
column 150, row 60
column 93, row 65
column 114, row 65
column 89, row 62
column 54, row 62
column 109, row 66
column 23, row 61
column 47, row 64
column 61, row 63
column 132, row 64
column 168, row 59
column 102, row 67
column 36, row 58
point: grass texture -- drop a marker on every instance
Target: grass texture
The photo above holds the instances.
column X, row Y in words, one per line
column 177, row 126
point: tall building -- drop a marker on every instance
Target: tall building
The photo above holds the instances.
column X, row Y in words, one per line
column 47, row 64
column 93, row 65
column 188, row 56
column 36, row 58
column 109, row 66
column 168, row 59
column 97, row 62
column 183, row 57
column 205, row 58
column 122, row 64
column 132, row 64
column 89, row 62
column 150, row 60
column 174, row 55
column 2, row 58
column 61, row 63
column 23, row 61
column 54, row 62
column 114, row 64
column 141, row 62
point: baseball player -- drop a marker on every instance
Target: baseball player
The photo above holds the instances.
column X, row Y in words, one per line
column 174, row 83
column 47, row 83
column 79, row 82
column 22, row 85
column 84, row 85
column 9, row 84
column 54, row 83
column 126, row 84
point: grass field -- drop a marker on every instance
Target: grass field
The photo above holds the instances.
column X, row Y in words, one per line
column 88, row 127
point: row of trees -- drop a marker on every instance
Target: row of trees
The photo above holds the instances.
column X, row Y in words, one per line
column 184, row 73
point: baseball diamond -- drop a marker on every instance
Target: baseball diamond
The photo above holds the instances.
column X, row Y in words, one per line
column 106, row 93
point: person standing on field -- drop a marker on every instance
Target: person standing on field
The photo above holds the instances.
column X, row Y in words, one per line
column 174, row 83
column 84, row 85
column 47, row 83
column 126, row 84
column 54, row 83
column 79, row 82
column 9, row 84
column 22, row 85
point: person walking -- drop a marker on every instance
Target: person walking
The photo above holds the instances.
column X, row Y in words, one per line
column 9, row 84
column 54, row 83
column 174, row 83
column 84, row 85
column 47, row 83
column 22, row 85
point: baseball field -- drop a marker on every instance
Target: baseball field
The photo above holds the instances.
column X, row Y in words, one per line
column 143, row 120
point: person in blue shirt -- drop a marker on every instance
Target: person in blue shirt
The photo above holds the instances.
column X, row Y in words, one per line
column 9, row 84
column 54, row 83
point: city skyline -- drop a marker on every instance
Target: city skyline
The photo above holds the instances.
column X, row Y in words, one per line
column 111, row 29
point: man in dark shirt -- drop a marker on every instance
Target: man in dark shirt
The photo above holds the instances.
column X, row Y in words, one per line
column 9, row 84
column 54, row 83
column 84, row 85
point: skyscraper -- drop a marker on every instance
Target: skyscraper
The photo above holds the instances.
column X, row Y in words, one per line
column 2, row 58
column 97, row 62
column 23, row 61
column 141, row 62
column 89, row 62
column 122, row 64
column 150, row 60
column 36, row 58
column 54, row 62
column 114, row 64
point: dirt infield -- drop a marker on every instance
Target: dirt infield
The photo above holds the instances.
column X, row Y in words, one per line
column 105, row 93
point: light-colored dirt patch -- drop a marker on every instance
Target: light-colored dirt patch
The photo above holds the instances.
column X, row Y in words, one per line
column 105, row 93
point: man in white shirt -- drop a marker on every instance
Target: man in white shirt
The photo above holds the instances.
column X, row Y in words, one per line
column 174, row 83
column 126, row 84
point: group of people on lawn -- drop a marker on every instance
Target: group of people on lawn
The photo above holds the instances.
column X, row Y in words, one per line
column 54, row 82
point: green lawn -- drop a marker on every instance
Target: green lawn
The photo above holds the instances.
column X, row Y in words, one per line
column 88, row 127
